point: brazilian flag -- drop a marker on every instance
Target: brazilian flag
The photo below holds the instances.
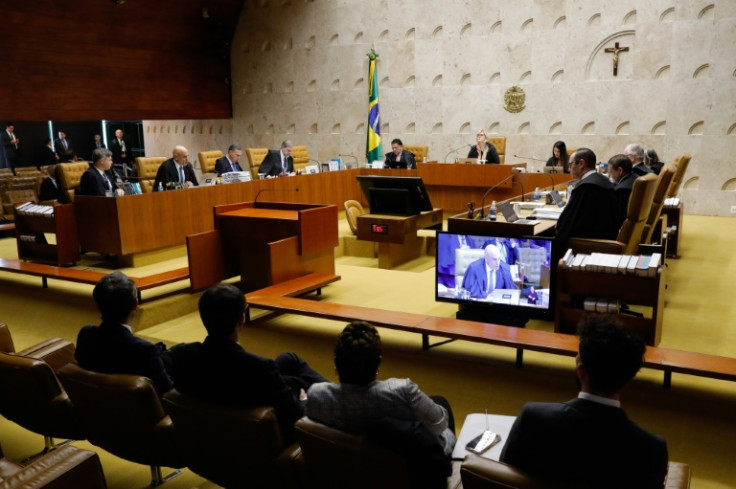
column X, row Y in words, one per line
column 373, row 140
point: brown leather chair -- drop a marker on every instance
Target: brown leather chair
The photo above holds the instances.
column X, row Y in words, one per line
column 482, row 473
column 255, row 158
column 54, row 351
column 33, row 398
column 123, row 415
column 14, row 197
column 353, row 209
column 232, row 447
column 207, row 160
column 664, row 179
column 681, row 163
column 420, row 152
column 336, row 459
column 629, row 237
column 146, row 168
column 70, row 176
column 300, row 156
column 61, row 469
column 500, row 144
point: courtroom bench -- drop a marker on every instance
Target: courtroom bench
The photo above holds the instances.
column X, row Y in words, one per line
column 665, row 359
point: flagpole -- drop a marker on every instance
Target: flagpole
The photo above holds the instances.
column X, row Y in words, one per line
column 373, row 133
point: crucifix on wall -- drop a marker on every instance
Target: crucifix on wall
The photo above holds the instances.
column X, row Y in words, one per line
column 615, row 50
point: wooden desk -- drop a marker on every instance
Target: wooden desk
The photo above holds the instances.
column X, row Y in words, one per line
column 397, row 235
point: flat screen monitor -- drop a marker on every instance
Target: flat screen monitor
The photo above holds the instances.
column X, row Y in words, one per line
column 400, row 196
column 495, row 272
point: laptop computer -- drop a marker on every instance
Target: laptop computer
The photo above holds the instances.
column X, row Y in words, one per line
column 556, row 198
column 511, row 216
column 552, row 169
column 468, row 161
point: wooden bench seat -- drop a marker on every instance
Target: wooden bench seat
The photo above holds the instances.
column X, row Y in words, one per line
column 297, row 286
column 656, row 358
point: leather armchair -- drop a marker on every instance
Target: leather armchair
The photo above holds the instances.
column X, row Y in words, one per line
column 664, row 179
column 629, row 237
column 300, row 156
column 70, row 176
column 123, row 415
column 255, row 158
column 207, row 160
column 146, row 168
column 463, row 259
column 336, row 459
column 232, row 447
column 500, row 144
column 34, row 399
column 54, row 351
column 353, row 209
column 482, row 473
column 420, row 152
column 61, row 469
column 681, row 164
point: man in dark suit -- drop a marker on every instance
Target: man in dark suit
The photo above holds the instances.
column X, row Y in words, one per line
column 230, row 161
column 220, row 371
column 278, row 163
column 64, row 148
column 48, row 155
column 591, row 209
column 98, row 179
column 112, row 347
column 176, row 171
column 589, row 441
column 49, row 189
column 398, row 158
column 619, row 168
column 10, row 145
column 636, row 155
column 122, row 154
column 487, row 274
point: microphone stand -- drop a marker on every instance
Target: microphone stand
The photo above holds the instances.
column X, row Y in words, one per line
column 455, row 151
column 352, row 156
column 522, row 189
column 528, row 158
column 483, row 202
column 255, row 201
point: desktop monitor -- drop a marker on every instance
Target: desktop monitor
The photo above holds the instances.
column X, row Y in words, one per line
column 521, row 285
column 400, row 196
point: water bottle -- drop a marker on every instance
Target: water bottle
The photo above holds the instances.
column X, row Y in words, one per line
column 492, row 213
column 160, row 187
column 537, row 194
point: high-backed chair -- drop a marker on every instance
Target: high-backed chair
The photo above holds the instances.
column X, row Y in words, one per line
column 232, row 447
column 255, row 158
column 682, row 163
column 500, row 144
column 482, row 473
column 123, row 415
column 420, row 152
column 33, row 398
column 463, row 258
column 664, row 181
column 353, row 209
column 146, row 168
column 13, row 197
column 300, row 156
column 70, row 176
column 61, row 469
column 629, row 236
column 207, row 160
column 535, row 264
column 336, row 459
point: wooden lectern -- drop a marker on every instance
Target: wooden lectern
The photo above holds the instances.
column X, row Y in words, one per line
column 265, row 242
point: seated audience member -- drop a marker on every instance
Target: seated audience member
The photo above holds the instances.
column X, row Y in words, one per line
column 48, row 155
column 398, row 158
column 229, row 162
column 652, row 160
column 360, row 401
column 559, row 158
column 220, row 371
column 591, row 208
column 619, row 169
column 484, row 151
column 589, row 441
column 278, row 163
column 112, row 347
column 64, row 148
column 98, row 179
column 487, row 274
column 636, row 155
column 176, row 171
column 50, row 189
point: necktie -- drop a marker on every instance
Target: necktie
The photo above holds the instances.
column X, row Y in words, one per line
column 63, row 141
column 491, row 281
column 232, row 166
column 107, row 182
column 181, row 175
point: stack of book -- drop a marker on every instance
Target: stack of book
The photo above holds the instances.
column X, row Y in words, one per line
column 31, row 209
column 672, row 202
column 236, row 176
column 641, row 265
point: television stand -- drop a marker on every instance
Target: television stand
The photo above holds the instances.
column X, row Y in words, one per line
column 517, row 319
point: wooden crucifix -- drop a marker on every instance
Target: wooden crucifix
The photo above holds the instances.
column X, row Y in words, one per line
column 615, row 50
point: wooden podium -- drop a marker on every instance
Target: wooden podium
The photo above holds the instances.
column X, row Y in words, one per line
column 266, row 243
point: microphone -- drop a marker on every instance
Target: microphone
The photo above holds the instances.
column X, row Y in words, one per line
column 522, row 189
column 316, row 161
column 352, row 156
column 483, row 202
column 456, row 150
column 255, row 201
column 528, row 158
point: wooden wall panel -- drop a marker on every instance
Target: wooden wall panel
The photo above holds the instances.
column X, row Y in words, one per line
column 93, row 59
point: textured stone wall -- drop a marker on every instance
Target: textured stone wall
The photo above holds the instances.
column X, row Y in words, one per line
column 299, row 71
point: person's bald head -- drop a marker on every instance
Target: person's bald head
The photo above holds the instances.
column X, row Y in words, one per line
column 492, row 255
column 181, row 155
